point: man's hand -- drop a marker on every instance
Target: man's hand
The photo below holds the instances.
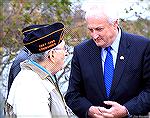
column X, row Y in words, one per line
column 94, row 112
column 116, row 111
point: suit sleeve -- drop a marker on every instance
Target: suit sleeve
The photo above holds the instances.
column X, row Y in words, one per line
column 15, row 68
column 12, row 74
column 74, row 97
column 141, row 103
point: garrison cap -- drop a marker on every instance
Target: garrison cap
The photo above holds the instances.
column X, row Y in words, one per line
column 30, row 28
column 43, row 37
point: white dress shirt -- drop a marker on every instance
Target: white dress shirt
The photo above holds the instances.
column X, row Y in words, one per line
column 114, row 51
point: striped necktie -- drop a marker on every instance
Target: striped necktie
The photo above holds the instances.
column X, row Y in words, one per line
column 108, row 71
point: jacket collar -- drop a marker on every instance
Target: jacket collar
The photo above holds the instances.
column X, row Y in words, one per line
column 30, row 66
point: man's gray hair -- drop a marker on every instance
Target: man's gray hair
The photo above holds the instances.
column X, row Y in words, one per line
column 102, row 9
column 39, row 57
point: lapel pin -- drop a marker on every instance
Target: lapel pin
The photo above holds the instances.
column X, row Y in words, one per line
column 122, row 57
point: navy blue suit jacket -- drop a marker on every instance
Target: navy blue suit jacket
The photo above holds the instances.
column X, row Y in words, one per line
column 131, row 81
column 15, row 68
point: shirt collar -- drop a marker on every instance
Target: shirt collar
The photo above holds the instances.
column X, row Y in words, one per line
column 115, row 44
column 42, row 69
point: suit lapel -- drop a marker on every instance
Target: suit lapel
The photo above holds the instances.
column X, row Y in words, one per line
column 96, row 64
column 122, row 57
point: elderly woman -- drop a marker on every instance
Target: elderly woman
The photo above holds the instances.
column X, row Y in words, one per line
column 34, row 92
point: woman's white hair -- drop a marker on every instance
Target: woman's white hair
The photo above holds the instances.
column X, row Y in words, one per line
column 102, row 10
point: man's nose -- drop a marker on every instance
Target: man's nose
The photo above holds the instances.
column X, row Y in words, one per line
column 94, row 34
column 66, row 53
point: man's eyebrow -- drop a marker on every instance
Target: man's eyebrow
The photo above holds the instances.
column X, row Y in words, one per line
column 95, row 27
column 90, row 28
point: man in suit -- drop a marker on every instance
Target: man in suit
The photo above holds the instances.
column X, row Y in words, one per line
column 99, row 88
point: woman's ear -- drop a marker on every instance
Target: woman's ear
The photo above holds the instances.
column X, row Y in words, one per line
column 51, row 55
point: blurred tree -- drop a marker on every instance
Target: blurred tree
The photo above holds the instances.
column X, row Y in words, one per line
column 17, row 14
column 20, row 13
column 139, row 11
column 140, row 26
column 78, row 31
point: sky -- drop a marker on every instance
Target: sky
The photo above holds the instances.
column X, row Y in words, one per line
column 121, row 5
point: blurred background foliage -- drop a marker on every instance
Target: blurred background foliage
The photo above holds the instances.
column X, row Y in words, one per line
column 17, row 14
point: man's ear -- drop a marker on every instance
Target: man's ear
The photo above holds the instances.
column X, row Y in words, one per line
column 51, row 55
column 116, row 24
